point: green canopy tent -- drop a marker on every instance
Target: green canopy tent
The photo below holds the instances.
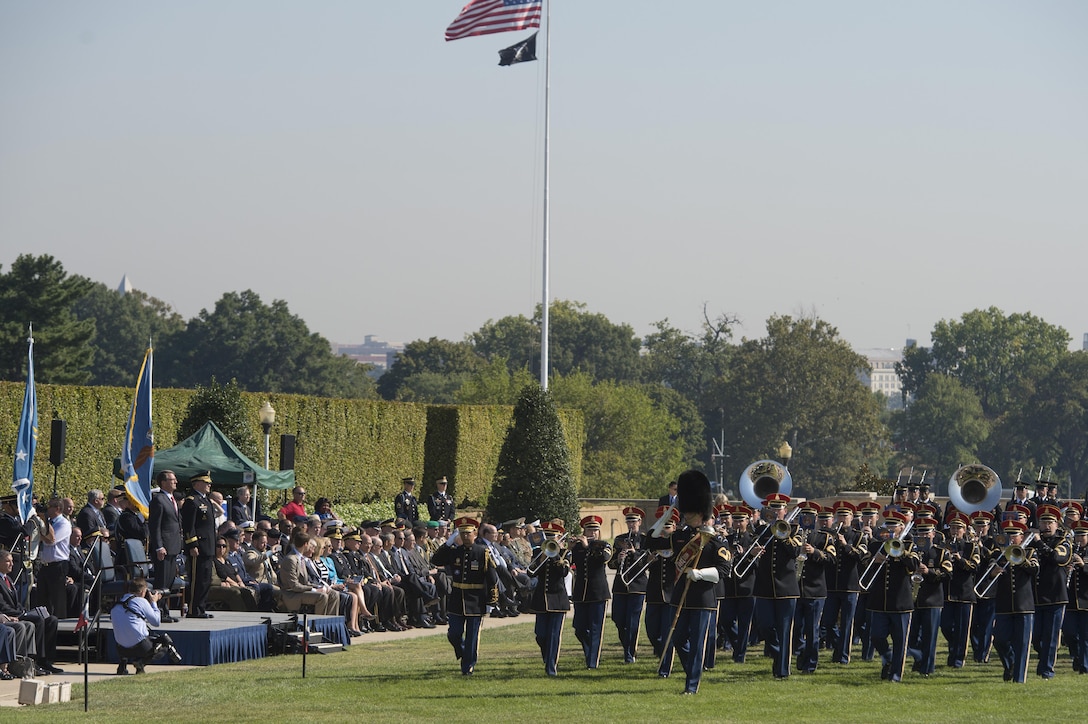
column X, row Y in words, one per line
column 209, row 449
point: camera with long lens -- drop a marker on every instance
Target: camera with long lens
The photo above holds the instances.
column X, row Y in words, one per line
column 165, row 645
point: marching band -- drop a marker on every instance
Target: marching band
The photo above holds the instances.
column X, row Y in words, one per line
column 893, row 580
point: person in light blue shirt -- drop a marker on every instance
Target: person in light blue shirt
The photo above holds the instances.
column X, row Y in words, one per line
column 131, row 616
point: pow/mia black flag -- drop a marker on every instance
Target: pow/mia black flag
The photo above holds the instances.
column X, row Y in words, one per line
column 519, row 52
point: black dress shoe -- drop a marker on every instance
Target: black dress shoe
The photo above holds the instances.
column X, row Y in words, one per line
column 426, row 623
column 201, row 615
column 170, row 619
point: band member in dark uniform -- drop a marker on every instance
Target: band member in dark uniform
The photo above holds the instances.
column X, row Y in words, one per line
column 550, row 601
column 934, row 570
column 959, row 603
column 701, row 560
column 198, row 528
column 475, row 584
column 738, row 607
column 405, row 504
column 982, row 618
column 869, row 524
column 1053, row 551
column 777, row 588
column 1015, row 604
column 589, row 557
column 659, row 583
column 1075, row 629
column 842, row 582
column 891, row 598
column 814, row 563
column 629, row 554
column 722, row 522
column 440, row 504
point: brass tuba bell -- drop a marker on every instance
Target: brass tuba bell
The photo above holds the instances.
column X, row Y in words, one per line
column 764, row 478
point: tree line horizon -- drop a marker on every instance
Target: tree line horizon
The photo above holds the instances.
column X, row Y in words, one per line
column 1000, row 389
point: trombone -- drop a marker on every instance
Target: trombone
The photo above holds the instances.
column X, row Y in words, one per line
column 551, row 548
column 778, row 530
column 1011, row 555
column 892, row 548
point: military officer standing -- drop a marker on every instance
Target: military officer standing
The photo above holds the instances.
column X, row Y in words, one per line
column 589, row 558
column 550, row 601
column 198, row 528
column 934, row 569
column 842, row 582
column 440, row 503
column 405, row 504
column 964, row 554
column 815, row 563
column 982, row 618
column 738, row 607
column 777, row 588
column 629, row 552
column 475, row 584
column 659, row 583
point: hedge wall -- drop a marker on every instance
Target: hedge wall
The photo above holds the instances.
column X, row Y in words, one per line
column 349, row 450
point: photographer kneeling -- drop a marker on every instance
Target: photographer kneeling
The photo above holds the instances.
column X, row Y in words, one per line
column 130, row 617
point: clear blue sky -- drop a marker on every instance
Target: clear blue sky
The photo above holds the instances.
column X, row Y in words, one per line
column 882, row 164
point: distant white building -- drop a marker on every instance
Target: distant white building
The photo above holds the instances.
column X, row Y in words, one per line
column 883, row 378
column 372, row 351
column 125, row 286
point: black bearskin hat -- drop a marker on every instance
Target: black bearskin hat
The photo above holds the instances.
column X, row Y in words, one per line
column 693, row 494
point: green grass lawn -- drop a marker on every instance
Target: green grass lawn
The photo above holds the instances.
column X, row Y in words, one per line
column 418, row 680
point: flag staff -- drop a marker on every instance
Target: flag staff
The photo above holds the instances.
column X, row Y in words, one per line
column 547, row 199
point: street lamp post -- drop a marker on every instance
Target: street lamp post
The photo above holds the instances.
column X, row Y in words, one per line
column 785, row 452
column 268, row 418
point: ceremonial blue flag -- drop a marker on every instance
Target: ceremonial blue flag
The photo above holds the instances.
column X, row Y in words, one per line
column 138, row 452
column 26, row 442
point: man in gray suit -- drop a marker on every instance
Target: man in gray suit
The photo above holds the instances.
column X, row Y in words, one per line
column 294, row 581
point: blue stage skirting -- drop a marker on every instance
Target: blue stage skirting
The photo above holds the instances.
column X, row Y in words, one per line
column 235, row 641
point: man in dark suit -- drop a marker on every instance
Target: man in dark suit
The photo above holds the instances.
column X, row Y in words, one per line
column 164, row 538
column 45, row 624
column 198, row 530
column 90, row 515
column 668, row 498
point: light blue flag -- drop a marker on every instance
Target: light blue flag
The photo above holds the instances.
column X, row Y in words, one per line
column 138, row 452
column 26, row 442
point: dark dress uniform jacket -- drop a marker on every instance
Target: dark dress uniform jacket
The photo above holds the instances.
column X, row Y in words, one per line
column 776, row 569
column 740, row 587
column 473, row 577
column 1053, row 554
column 659, row 580
column 960, row 586
column 440, row 506
column 550, row 593
column 198, row 523
column 845, row 573
column 406, row 506
column 714, row 554
column 818, row 566
column 892, row 591
column 1015, row 588
column 931, row 589
column 590, row 578
column 1078, row 585
column 130, row 525
column 639, row 584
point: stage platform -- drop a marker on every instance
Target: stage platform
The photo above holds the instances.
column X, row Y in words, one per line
column 230, row 636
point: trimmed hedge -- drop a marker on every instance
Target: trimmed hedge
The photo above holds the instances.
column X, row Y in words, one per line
column 347, row 450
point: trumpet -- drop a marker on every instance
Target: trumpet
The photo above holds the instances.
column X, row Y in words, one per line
column 1011, row 555
column 549, row 549
column 892, row 548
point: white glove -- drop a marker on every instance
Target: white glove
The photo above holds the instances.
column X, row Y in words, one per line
column 703, row 574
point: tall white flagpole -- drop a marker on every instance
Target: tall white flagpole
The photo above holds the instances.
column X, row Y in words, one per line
column 547, row 212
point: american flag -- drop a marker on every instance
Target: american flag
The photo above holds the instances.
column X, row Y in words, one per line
column 483, row 17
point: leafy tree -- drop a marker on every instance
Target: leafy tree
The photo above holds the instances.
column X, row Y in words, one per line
column 533, row 476
column 223, row 405
column 495, row 384
column 943, row 428
column 513, row 339
column 997, row 356
column 38, row 291
column 124, row 323
column 800, row 384
column 435, row 356
column 632, row 445
column 264, row 348
column 685, row 362
column 1056, row 419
